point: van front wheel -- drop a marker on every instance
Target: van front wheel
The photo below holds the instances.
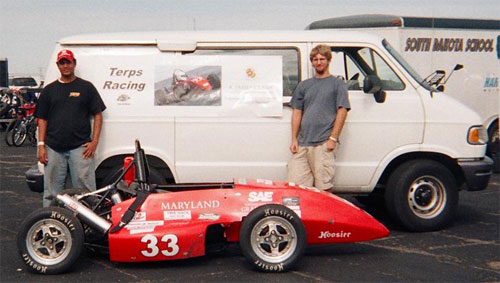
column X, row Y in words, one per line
column 422, row 195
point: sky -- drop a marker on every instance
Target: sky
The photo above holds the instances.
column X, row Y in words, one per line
column 30, row 28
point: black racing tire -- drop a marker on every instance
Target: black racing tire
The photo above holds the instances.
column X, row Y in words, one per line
column 422, row 195
column 50, row 240
column 273, row 227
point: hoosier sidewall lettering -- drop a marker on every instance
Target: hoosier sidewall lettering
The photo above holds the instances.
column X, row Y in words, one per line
column 63, row 217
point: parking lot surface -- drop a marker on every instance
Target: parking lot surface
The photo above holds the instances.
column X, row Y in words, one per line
column 467, row 251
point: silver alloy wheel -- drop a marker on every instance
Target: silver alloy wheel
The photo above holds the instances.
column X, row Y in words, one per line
column 273, row 239
column 48, row 242
column 427, row 197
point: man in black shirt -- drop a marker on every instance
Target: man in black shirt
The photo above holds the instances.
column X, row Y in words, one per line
column 64, row 111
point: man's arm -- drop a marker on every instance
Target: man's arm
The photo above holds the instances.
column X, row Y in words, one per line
column 91, row 146
column 42, row 132
column 296, row 120
column 337, row 128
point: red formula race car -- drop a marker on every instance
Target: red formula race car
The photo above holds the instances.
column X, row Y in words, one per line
column 139, row 221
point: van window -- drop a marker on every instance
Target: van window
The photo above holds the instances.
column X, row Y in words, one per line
column 290, row 57
column 360, row 62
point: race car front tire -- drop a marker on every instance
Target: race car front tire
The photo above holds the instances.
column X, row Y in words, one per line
column 50, row 240
column 273, row 238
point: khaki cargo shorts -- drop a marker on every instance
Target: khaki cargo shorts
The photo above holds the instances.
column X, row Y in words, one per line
column 312, row 166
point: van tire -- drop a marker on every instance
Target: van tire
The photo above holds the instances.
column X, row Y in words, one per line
column 422, row 195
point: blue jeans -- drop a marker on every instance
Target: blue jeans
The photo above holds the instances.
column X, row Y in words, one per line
column 81, row 170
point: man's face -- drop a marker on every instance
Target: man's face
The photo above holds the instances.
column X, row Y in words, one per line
column 66, row 67
column 320, row 63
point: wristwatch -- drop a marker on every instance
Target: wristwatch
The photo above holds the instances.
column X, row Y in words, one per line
column 334, row 139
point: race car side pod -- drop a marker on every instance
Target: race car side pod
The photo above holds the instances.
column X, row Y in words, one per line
column 85, row 214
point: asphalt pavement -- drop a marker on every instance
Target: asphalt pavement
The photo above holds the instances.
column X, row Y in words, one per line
column 467, row 251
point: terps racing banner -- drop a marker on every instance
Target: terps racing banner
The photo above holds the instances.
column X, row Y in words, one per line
column 173, row 85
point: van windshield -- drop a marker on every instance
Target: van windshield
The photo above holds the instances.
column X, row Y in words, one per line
column 405, row 64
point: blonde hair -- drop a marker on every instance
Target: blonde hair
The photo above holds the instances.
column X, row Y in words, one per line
column 321, row 49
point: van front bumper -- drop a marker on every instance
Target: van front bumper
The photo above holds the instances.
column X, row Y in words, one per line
column 34, row 179
column 477, row 173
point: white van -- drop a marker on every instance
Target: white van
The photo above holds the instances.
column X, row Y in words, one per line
column 402, row 138
column 431, row 44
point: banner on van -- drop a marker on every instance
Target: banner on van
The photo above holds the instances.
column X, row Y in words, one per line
column 169, row 85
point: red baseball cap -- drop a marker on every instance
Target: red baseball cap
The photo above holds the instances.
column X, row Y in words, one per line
column 65, row 54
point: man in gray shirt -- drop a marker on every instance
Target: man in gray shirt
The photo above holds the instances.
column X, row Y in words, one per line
column 320, row 107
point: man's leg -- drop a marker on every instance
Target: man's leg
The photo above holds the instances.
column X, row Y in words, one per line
column 299, row 171
column 82, row 170
column 323, row 167
column 54, row 176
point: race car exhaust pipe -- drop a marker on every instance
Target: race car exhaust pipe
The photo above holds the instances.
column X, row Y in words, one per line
column 86, row 215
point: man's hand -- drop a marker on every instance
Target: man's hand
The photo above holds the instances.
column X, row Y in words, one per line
column 90, row 149
column 331, row 145
column 42, row 155
column 294, row 147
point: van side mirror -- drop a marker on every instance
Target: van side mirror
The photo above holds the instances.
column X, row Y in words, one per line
column 372, row 84
column 380, row 96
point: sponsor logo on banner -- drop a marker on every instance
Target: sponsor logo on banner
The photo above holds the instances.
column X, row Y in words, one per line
column 250, row 73
column 260, row 196
column 177, row 215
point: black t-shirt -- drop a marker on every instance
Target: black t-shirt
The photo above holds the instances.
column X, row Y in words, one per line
column 68, row 107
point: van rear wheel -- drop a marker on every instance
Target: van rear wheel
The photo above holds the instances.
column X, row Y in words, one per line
column 422, row 195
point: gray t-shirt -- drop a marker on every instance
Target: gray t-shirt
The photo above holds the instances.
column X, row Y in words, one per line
column 319, row 100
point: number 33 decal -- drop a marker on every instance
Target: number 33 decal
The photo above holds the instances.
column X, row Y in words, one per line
column 152, row 248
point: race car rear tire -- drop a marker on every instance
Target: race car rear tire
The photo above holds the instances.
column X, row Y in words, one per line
column 422, row 195
column 273, row 238
column 50, row 240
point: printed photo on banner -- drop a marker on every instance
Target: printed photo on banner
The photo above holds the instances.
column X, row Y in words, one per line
column 187, row 85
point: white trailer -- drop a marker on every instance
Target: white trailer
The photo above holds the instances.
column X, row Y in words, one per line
column 430, row 44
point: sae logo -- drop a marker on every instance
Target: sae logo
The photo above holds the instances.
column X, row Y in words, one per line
column 260, row 196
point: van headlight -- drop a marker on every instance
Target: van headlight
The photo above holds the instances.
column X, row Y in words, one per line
column 476, row 135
